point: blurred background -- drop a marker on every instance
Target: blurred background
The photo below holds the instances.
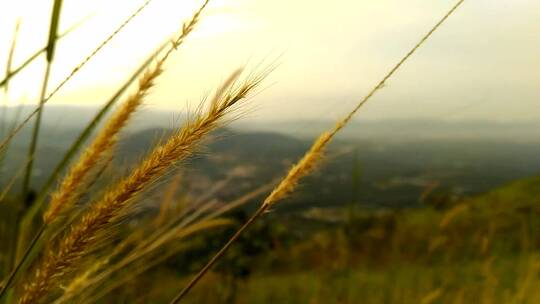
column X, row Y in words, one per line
column 430, row 196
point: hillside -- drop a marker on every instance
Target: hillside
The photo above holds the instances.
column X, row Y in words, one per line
column 369, row 174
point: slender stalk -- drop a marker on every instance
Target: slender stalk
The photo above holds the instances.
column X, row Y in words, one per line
column 33, row 57
column 10, row 74
column 220, row 253
column 308, row 162
column 25, row 197
column 68, row 191
column 186, row 30
column 3, row 123
column 11, row 182
column 83, row 136
column 51, row 47
column 19, row 265
column 35, row 134
column 40, row 198
column 70, row 187
column 19, row 127
column 8, row 71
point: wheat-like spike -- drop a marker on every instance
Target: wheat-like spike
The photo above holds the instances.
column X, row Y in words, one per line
column 312, row 157
column 116, row 200
column 80, row 281
column 308, row 162
column 106, row 139
column 299, row 170
column 69, row 189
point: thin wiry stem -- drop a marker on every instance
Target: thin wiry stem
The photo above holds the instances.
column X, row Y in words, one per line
column 163, row 236
column 68, row 189
column 220, row 253
column 307, row 163
column 19, row 265
column 34, row 56
column 19, row 127
column 35, row 134
column 86, row 133
column 25, row 197
column 119, row 198
column 51, row 47
column 175, row 43
column 8, row 71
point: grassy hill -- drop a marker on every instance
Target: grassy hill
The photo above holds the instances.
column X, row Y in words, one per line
column 483, row 248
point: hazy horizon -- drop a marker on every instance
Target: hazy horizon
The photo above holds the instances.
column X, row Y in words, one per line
column 56, row 123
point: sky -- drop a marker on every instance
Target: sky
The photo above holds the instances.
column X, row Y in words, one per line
column 484, row 63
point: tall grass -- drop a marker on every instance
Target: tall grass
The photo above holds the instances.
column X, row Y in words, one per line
column 9, row 63
column 90, row 242
column 78, row 173
column 74, row 71
column 309, row 162
column 49, row 54
column 68, row 189
column 115, row 201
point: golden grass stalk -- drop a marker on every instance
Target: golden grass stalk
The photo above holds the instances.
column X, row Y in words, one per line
column 187, row 28
column 139, row 262
column 69, row 188
column 78, row 282
column 306, row 165
column 308, row 162
column 432, row 296
column 167, row 202
column 115, row 202
column 165, row 228
column 145, row 246
column 154, row 258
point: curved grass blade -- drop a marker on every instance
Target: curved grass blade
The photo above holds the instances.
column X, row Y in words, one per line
column 3, row 124
column 51, row 46
column 19, row 127
column 30, row 59
column 49, row 53
column 307, row 163
column 83, row 136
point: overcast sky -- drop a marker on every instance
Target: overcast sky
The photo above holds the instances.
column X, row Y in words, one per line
column 484, row 63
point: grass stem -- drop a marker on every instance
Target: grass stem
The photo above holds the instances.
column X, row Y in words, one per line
column 309, row 161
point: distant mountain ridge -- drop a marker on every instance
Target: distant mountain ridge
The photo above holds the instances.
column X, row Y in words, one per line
column 64, row 118
column 394, row 171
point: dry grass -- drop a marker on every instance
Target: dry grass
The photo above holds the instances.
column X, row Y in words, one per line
column 115, row 201
column 309, row 161
column 70, row 187
column 70, row 256
column 151, row 246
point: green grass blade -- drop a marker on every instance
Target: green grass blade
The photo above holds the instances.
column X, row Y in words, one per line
column 53, row 30
column 20, row 126
column 11, row 52
column 31, row 59
column 3, row 124
column 51, row 45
